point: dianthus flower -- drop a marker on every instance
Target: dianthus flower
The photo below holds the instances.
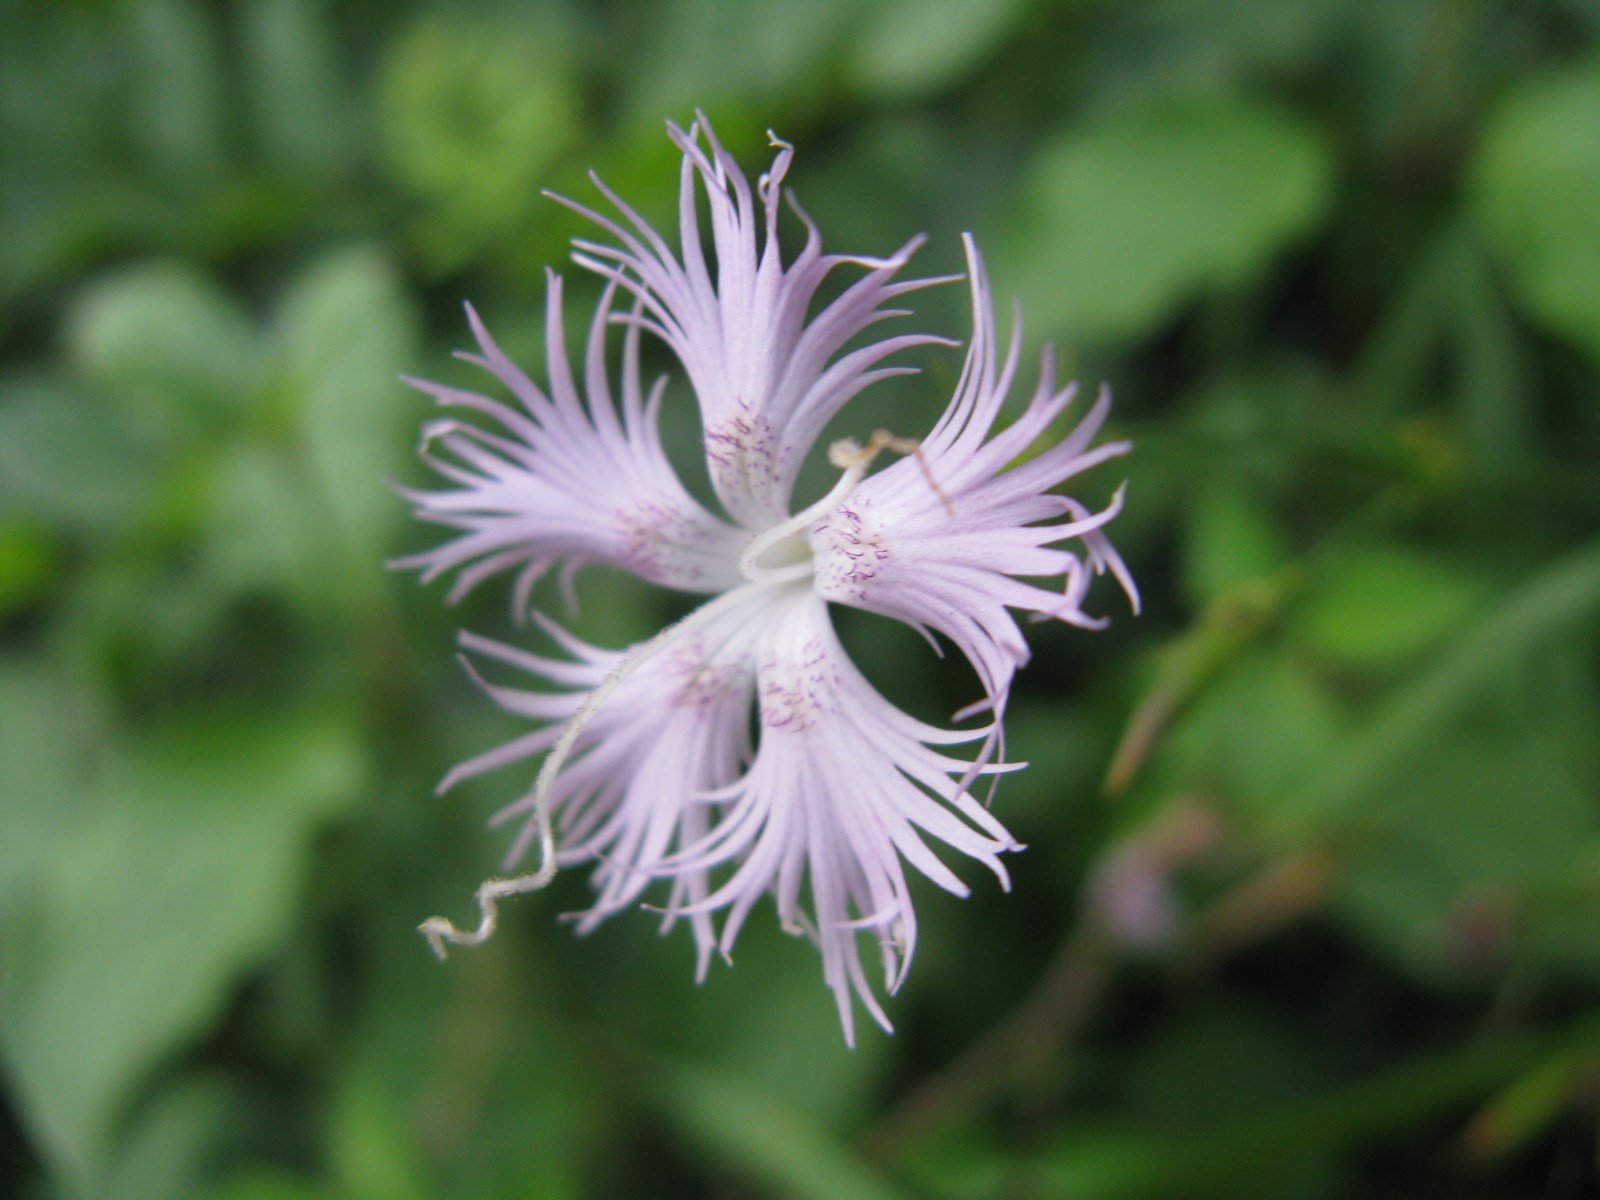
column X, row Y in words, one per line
column 653, row 770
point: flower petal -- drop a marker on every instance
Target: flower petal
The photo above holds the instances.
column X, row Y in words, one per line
column 554, row 481
column 758, row 360
column 939, row 539
column 841, row 795
column 631, row 795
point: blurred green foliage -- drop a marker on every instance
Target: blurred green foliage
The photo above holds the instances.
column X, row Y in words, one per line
column 1312, row 907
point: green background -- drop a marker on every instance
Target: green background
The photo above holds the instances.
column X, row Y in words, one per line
column 1311, row 907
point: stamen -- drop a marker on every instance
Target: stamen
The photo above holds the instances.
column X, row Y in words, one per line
column 842, row 453
column 852, row 458
column 944, row 499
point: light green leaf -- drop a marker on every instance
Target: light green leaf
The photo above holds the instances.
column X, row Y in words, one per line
column 1224, row 743
column 1549, row 604
column 473, row 113
column 347, row 331
column 1232, row 540
column 909, row 47
column 69, row 458
column 1380, row 605
column 1536, row 189
column 186, row 877
column 476, row 107
column 170, row 344
column 1121, row 220
column 374, row 1151
column 49, row 724
column 269, row 533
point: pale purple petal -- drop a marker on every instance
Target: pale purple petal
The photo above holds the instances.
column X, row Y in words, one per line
column 762, row 364
column 944, row 539
column 841, row 795
column 552, row 480
column 631, row 795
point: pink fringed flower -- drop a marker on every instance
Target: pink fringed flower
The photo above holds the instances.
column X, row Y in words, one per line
column 650, row 770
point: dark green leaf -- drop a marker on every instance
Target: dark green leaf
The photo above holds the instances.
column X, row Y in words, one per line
column 1536, row 188
column 761, row 1138
column 302, row 112
column 187, row 876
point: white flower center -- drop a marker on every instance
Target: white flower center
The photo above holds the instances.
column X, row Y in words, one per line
column 783, row 558
column 788, row 540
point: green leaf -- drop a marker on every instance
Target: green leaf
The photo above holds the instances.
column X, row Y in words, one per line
column 1203, row 43
column 910, row 47
column 30, row 562
column 374, row 1151
column 475, row 107
column 187, row 876
column 302, row 114
column 168, row 343
column 1536, row 189
column 167, row 1149
column 347, row 330
column 1441, row 867
column 734, row 59
column 268, row 532
column 1232, row 540
column 1530, row 1105
column 68, row 458
column 1121, row 220
column 965, row 1161
column 768, row 1026
column 273, row 1185
column 1548, row 605
column 49, row 727
column 473, row 115
column 1224, row 742
column 761, row 1137
column 1209, row 1062
column 507, row 1096
column 1232, row 1157
column 177, row 83
column 1379, row 605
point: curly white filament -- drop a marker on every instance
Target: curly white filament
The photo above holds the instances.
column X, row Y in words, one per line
column 439, row 930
